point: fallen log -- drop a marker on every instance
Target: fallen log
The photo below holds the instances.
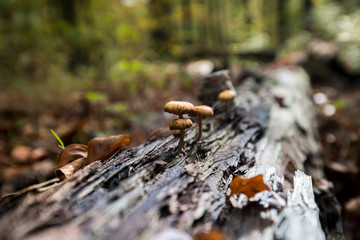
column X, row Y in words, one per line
column 153, row 192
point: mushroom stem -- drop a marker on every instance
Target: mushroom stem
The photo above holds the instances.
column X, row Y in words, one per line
column 227, row 110
column 181, row 141
column 200, row 127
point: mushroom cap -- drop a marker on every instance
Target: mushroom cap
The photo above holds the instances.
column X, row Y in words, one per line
column 226, row 95
column 202, row 110
column 178, row 107
column 180, row 124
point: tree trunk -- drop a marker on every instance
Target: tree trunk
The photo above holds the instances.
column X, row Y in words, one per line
column 282, row 25
column 68, row 11
column 307, row 18
column 162, row 33
column 187, row 22
column 150, row 192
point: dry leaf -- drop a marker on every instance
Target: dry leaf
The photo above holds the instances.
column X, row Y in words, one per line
column 38, row 154
column 71, row 153
column 352, row 207
column 103, row 148
column 70, row 168
column 74, row 156
column 21, row 154
column 323, row 184
column 214, row 234
column 248, row 186
column 345, row 167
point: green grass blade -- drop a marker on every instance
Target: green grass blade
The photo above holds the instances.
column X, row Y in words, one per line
column 57, row 137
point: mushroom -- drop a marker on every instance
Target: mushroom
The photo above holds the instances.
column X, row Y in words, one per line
column 180, row 124
column 178, row 108
column 226, row 96
column 200, row 112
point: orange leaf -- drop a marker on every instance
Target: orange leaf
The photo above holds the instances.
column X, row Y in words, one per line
column 71, row 153
column 70, row 168
column 103, row 148
column 248, row 186
column 214, row 234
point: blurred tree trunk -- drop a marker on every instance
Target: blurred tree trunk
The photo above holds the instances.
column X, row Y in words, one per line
column 281, row 22
column 270, row 18
column 68, row 11
column 215, row 23
column 162, row 35
column 187, row 22
column 248, row 19
column 307, row 17
column 203, row 33
column 79, row 54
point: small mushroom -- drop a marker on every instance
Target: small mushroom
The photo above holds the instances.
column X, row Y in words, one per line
column 200, row 112
column 226, row 96
column 180, row 124
column 178, row 108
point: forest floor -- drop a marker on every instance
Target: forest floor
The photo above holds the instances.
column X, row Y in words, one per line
column 28, row 149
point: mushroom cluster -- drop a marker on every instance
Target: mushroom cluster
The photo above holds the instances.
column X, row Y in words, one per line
column 180, row 108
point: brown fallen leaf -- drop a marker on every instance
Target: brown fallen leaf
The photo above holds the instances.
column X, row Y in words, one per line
column 352, row 208
column 5, row 160
column 322, row 184
column 38, row 154
column 103, row 148
column 75, row 156
column 214, row 234
column 345, row 167
column 71, row 153
column 21, row 154
column 248, row 186
column 69, row 169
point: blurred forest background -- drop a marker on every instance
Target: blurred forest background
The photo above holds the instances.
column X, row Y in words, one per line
column 90, row 68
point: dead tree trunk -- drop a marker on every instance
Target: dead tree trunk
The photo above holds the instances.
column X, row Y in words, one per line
column 148, row 192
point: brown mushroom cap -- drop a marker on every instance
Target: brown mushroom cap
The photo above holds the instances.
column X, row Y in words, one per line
column 226, row 95
column 180, row 124
column 178, row 107
column 201, row 110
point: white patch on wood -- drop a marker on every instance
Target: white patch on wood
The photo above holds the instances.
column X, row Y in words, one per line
column 300, row 219
column 172, row 234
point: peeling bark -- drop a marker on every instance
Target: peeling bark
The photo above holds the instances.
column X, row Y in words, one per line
column 150, row 192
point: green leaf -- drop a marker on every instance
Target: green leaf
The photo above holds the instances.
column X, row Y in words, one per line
column 57, row 137
column 95, row 97
column 339, row 103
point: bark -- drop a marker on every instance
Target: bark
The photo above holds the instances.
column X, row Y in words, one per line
column 150, row 192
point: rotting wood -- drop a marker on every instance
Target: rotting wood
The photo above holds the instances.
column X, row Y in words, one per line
column 149, row 192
